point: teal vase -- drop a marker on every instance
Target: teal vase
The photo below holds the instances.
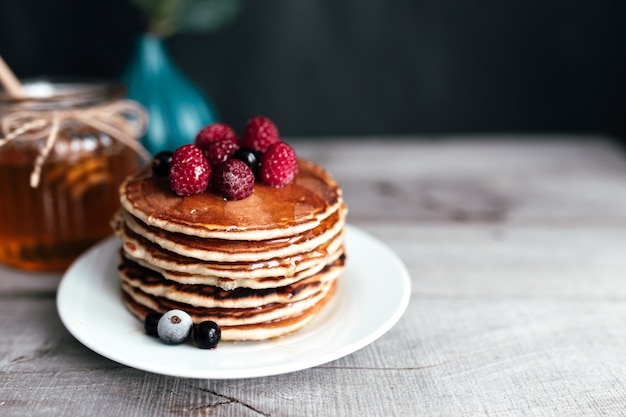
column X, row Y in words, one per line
column 177, row 110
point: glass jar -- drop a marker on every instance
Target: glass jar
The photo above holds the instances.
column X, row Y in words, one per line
column 58, row 195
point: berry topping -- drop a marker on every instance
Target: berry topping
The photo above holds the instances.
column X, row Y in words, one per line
column 220, row 151
column 174, row 327
column 189, row 171
column 151, row 322
column 259, row 134
column 207, row 334
column 279, row 165
column 233, row 180
column 249, row 156
column 161, row 163
column 214, row 131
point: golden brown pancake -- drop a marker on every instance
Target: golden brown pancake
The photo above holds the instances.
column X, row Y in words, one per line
column 255, row 331
column 234, row 283
column 207, row 296
column 267, row 214
column 258, row 274
column 220, row 250
column 225, row 311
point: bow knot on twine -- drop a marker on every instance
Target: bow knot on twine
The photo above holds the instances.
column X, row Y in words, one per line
column 123, row 120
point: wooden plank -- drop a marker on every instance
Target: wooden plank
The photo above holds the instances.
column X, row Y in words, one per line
column 13, row 281
column 469, row 356
column 501, row 260
column 553, row 182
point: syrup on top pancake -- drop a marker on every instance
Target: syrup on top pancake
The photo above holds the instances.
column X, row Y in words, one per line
column 267, row 214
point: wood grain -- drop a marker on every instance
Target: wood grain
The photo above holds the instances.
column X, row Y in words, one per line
column 518, row 307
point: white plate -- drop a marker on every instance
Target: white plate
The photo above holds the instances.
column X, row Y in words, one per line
column 372, row 294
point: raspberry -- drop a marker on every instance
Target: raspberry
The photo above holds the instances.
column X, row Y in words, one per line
column 234, row 180
column 220, row 151
column 260, row 132
column 279, row 165
column 189, row 171
column 211, row 133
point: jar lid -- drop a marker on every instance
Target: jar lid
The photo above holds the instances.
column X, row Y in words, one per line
column 62, row 92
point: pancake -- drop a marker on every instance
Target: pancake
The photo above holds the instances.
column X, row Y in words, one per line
column 234, row 314
column 268, row 213
column 147, row 254
column 225, row 316
column 207, row 296
column 219, row 250
column 233, row 283
column 260, row 267
column 257, row 331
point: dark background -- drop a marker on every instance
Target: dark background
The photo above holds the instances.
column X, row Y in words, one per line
column 367, row 67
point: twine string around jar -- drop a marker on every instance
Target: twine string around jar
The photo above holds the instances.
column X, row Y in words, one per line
column 123, row 120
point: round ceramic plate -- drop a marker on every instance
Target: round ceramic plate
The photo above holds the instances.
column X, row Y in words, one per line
column 372, row 294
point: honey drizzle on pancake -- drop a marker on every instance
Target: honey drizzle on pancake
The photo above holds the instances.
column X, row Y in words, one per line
column 268, row 213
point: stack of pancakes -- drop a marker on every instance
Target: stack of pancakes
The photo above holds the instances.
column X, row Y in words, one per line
column 260, row 267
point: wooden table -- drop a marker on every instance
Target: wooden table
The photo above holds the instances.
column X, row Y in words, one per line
column 516, row 248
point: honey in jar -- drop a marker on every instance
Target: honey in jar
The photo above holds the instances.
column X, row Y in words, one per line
column 64, row 150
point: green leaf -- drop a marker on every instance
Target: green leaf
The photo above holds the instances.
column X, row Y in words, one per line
column 170, row 16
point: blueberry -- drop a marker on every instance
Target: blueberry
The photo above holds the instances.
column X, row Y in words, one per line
column 207, row 334
column 249, row 156
column 161, row 163
column 151, row 322
column 174, row 327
